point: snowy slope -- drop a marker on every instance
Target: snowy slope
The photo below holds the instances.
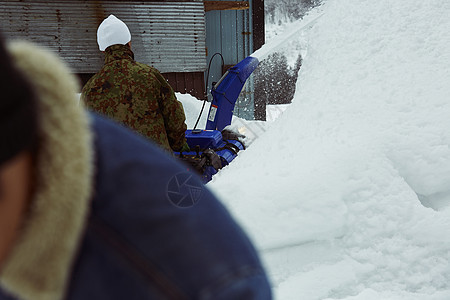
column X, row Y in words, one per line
column 347, row 195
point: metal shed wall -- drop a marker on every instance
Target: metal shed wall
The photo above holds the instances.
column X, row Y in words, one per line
column 169, row 35
column 229, row 32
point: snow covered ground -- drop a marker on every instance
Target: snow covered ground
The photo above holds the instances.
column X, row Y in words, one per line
column 347, row 194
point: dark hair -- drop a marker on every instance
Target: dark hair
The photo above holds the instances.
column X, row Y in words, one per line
column 18, row 114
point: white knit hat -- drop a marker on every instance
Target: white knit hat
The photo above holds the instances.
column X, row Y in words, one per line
column 112, row 31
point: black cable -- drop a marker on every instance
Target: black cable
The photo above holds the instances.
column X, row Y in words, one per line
column 206, row 88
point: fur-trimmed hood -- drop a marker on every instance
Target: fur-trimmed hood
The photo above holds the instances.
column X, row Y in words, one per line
column 38, row 266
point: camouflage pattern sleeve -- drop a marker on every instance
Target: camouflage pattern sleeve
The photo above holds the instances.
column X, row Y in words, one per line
column 84, row 93
column 173, row 114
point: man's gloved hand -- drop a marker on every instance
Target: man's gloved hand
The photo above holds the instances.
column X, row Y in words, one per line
column 213, row 159
column 185, row 148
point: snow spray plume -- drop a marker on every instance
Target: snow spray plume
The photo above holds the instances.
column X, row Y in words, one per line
column 280, row 41
column 18, row 121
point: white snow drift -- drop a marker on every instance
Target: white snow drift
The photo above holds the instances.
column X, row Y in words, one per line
column 347, row 195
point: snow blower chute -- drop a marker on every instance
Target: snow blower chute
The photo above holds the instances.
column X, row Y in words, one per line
column 213, row 148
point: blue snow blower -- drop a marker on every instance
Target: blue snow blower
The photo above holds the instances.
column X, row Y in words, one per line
column 214, row 148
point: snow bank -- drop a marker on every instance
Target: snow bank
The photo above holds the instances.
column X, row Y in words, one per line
column 347, row 195
column 192, row 108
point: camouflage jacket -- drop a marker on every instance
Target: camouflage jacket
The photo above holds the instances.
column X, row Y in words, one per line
column 137, row 96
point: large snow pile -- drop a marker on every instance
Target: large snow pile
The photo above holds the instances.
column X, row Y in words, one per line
column 347, row 195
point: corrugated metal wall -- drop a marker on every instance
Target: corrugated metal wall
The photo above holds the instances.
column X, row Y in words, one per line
column 229, row 32
column 169, row 35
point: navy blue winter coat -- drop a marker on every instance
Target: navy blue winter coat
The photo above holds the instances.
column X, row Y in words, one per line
column 139, row 245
